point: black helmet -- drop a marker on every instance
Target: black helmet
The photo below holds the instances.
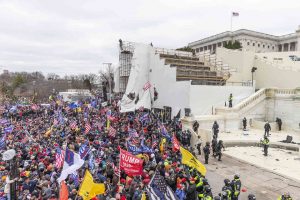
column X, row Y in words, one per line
column 207, row 189
column 251, row 197
column 205, row 181
column 236, row 176
column 226, row 181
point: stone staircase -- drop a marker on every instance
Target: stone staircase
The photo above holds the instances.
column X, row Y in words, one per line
column 190, row 68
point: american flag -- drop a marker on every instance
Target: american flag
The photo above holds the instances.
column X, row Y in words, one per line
column 3, row 142
column 112, row 132
column 135, row 141
column 235, row 14
column 133, row 133
column 73, row 124
column 147, row 86
column 55, row 121
column 87, row 128
column 59, row 158
column 141, row 109
column 116, row 169
column 74, row 176
column 154, row 144
column 158, row 189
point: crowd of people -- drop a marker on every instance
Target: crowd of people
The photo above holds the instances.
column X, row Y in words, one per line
column 41, row 134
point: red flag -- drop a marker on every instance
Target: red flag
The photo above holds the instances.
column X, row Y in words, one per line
column 63, row 194
column 131, row 164
column 176, row 145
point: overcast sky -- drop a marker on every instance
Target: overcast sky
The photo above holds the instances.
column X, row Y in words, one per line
column 77, row 36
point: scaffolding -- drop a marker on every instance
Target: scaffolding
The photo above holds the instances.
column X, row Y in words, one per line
column 126, row 50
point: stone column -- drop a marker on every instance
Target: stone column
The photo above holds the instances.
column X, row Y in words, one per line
column 298, row 39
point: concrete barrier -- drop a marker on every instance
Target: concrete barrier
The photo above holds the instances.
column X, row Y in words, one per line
column 255, row 143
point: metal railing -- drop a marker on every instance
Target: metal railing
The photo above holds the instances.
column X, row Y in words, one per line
column 173, row 52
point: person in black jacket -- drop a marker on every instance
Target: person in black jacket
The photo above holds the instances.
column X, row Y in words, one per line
column 267, row 129
column 219, row 148
column 206, row 151
column 279, row 123
column 215, row 129
column 244, row 123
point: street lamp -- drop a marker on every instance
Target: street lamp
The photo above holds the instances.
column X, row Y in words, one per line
column 109, row 80
column 252, row 71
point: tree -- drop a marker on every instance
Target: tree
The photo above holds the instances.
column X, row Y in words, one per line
column 106, row 78
column 17, row 81
column 234, row 45
column 52, row 76
column 186, row 48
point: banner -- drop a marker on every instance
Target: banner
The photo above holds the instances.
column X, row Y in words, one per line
column 89, row 189
column 189, row 160
column 131, row 164
column 176, row 144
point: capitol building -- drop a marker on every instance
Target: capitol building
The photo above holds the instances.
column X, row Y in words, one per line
column 250, row 40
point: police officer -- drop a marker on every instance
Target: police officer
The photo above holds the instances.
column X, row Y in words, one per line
column 236, row 187
column 206, row 151
column 244, row 123
column 285, row 196
column 195, row 126
column 219, row 148
column 230, row 100
column 215, row 129
column 226, row 190
column 265, row 144
column 207, row 193
column 201, row 186
column 251, row 197
column 214, row 144
column 267, row 129
column 279, row 123
column 198, row 146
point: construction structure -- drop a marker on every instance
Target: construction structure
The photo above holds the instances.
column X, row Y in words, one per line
column 196, row 86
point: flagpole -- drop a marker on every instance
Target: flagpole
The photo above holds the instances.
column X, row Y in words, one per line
column 231, row 23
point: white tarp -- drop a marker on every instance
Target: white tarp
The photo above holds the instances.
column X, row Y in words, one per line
column 139, row 76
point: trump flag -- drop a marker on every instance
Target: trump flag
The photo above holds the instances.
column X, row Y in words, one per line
column 131, row 164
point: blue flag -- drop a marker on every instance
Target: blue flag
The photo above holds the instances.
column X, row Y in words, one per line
column 133, row 149
column 145, row 148
column 69, row 157
column 84, row 150
column 8, row 129
column 92, row 162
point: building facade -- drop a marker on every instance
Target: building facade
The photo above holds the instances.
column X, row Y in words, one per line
column 250, row 40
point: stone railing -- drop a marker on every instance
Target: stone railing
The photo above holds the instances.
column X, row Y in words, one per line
column 257, row 98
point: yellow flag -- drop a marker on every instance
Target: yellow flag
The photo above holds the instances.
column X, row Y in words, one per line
column 89, row 189
column 189, row 160
column 107, row 124
column 162, row 145
column 143, row 196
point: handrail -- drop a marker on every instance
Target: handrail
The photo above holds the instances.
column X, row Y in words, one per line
column 262, row 93
column 173, row 52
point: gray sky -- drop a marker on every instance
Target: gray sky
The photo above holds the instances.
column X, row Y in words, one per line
column 77, row 36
